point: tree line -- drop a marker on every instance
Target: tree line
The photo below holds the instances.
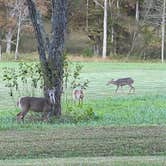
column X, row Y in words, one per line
column 120, row 28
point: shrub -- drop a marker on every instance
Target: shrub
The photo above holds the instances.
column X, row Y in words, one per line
column 87, row 52
column 80, row 113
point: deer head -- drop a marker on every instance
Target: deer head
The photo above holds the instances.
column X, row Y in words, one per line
column 50, row 93
column 110, row 82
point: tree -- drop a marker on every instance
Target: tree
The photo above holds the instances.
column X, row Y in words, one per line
column 105, row 30
column 154, row 15
column 21, row 19
column 51, row 48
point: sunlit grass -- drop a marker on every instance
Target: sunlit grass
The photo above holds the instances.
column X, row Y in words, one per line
column 146, row 106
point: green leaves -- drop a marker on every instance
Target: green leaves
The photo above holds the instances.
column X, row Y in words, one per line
column 27, row 76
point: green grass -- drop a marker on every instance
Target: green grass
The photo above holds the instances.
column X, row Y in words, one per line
column 83, row 142
column 146, row 106
column 97, row 161
column 127, row 125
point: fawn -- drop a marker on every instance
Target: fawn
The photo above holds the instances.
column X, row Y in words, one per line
column 78, row 95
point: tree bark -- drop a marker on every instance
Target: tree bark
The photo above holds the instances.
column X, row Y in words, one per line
column 55, row 58
column 18, row 36
column 87, row 13
column 53, row 65
column 137, row 11
column 9, row 36
column 105, row 31
column 163, row 32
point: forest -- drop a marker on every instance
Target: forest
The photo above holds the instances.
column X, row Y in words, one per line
column 133, row 28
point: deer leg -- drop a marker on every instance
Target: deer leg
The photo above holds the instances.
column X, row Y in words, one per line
column 47, row 113
column 20, row 116
column 80, row 101
column 131, row 87
column 46, row 116
column 117, row 88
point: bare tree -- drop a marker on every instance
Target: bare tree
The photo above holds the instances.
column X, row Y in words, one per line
column 163, row 31
column 154, row 15
column 104, row 51
column 137, row 10
column 52, row 64
column 87, row 13
column 105, row 31
column 21, row 19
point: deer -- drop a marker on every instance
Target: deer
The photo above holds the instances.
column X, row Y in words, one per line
column 78, row 94
column 122, row 82
column 36, row 104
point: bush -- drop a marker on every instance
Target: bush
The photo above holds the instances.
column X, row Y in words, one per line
column 87, row 52
column 80, row 113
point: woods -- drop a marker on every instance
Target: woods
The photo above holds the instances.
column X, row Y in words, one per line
column 112, row 28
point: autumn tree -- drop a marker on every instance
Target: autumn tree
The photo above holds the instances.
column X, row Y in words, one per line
column 154, row 15
column 50, row 46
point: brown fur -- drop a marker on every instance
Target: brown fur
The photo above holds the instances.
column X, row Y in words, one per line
column 122, row 82
column 36, row 104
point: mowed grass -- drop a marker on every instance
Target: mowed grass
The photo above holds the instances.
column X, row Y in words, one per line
column 146, row 106
column 91, row 161
column 83, row 142
column 127, row 124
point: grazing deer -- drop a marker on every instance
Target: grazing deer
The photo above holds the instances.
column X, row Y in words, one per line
column 36, row 104
column 78, row 95
column 122, row 82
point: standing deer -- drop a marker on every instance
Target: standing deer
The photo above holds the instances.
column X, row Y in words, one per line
column 78, row 95
column 36, row 104
column 122, row 82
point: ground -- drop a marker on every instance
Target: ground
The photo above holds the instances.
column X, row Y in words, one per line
column 127, row 124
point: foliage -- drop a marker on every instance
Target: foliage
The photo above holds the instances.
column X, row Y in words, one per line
column 147, row 106
column 26, row 78
column 72, row 76
column 80, row 113
column 87, row 52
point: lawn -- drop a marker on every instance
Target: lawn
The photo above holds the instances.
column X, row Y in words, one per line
column 146, row 106
column 78, row 141
column 126, row 124
column 91, row 161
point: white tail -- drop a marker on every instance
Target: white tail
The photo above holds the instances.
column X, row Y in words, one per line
column 36, row 104
column 78, row 95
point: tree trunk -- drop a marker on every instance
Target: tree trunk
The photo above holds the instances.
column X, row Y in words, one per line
column 9, row 36
column 105, row 31
column 118, row 8
column 0, row 52
column 55, row 58
column 0, row 45
column 137, row 11
column 163, row 32
column 87, row 13
column 53, row 66
column 18, row 36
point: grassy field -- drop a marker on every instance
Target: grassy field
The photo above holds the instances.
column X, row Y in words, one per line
column 97, row 161
column 146, row 106
column 127, row 124
column 83, row 142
